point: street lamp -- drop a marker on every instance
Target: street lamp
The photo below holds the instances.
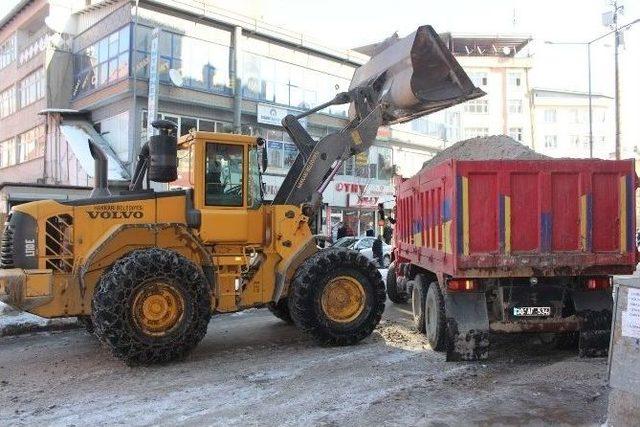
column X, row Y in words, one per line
column 615, row 31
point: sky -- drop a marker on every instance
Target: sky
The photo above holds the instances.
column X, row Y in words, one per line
column 347, row 24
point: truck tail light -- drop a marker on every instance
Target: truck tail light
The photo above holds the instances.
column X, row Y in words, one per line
column 462, row 285
column 596, row 283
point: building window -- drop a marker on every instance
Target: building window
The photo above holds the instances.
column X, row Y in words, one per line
column 477, row 106
column 31, row 144
column 577, row 116
column 514, row 79
column 281, row 151
column 515, row 106
column 223, row 175
column 479, row 78
column 8, row 51
column 203, row 65
column 8, row 102
column 575, row 140
column 475, row 132
column 185, row 124
column 516, row 133
column 32, row 88
column 551, row 141
column 550, row 116
column 102, row 63
column 7, row 152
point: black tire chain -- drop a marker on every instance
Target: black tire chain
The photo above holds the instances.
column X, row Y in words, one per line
column 111, row 306
column 303, row 307
column 280, row 309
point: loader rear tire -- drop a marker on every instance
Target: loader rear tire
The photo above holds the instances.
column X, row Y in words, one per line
column 395, row 295
column 337, row 296
column 280, row 309
column 153, row 306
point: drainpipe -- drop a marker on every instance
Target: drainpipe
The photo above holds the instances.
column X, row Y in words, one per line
column 236, row 81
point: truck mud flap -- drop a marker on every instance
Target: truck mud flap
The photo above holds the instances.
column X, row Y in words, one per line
column 594, row 310
column 467, row 327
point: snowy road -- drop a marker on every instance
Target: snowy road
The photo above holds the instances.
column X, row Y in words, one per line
column 253, row 369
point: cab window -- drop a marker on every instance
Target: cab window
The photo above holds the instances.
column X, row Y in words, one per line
column 223, row 175
column 255, row 179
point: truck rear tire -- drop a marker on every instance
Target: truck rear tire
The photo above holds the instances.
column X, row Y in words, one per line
column 280, row 309
column 418, row 294
column 435, row 319
column 395, row 295
column 337, row 296
column 153, row 306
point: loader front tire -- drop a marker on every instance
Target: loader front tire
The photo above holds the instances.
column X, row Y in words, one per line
column 152, row 306
column 280, row 309
column 337, row 296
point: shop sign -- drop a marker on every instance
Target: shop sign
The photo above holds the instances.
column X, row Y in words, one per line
column 272, row 115
column 357, row 201
column 152, row 105
column 370, row 190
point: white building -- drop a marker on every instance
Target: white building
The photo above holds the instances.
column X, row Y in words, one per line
column 561, row 124
column 499, row 65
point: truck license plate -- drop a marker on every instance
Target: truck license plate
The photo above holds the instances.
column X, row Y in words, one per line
column 532, row 311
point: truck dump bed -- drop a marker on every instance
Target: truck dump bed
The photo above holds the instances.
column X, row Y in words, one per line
column 519, row 218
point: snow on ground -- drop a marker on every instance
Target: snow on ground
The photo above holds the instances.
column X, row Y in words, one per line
column 17, row 322
column 256, row 370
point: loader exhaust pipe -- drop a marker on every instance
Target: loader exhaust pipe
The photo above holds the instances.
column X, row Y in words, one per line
column 414, row 76
column 100, row 187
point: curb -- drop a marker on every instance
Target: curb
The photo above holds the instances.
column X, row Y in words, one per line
column 29, row 327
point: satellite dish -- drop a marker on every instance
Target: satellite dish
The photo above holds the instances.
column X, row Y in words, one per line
column 176, row 77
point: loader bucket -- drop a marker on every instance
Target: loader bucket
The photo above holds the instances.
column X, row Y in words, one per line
column 414, row 76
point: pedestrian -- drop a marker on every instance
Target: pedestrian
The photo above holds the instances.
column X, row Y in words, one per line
column 387, row 234
column 342, row 231
column 377, row 250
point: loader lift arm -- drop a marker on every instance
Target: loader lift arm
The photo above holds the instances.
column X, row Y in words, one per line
column 403, row 80
column 318, row 161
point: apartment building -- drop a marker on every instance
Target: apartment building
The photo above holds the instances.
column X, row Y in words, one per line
column 561, row 124
column 499, row 65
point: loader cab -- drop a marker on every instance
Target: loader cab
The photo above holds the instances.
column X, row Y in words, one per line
column 225, row 175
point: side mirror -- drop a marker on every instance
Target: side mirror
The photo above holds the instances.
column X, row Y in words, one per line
column 263, row 154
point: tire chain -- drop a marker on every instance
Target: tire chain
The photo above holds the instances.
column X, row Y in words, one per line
column 111, row 306
column 313, row 269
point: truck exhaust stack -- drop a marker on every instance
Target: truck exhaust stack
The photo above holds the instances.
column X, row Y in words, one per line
column 414, row 76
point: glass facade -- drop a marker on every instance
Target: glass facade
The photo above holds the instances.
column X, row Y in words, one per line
column 275, row 73
column 102, row 63
column 204, row 65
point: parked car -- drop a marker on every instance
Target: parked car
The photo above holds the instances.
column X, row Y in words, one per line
column 364, row 245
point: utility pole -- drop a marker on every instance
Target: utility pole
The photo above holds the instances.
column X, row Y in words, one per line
column 616, row 9
column 590, row 105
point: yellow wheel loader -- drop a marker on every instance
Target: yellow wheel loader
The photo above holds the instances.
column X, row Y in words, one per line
column 146, row 269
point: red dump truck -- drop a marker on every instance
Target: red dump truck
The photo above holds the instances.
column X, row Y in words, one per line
column 511, row 246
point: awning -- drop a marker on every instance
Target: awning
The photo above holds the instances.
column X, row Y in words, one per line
column 78, row 132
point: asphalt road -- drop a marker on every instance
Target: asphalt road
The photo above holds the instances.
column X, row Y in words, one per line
column 252, row 369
